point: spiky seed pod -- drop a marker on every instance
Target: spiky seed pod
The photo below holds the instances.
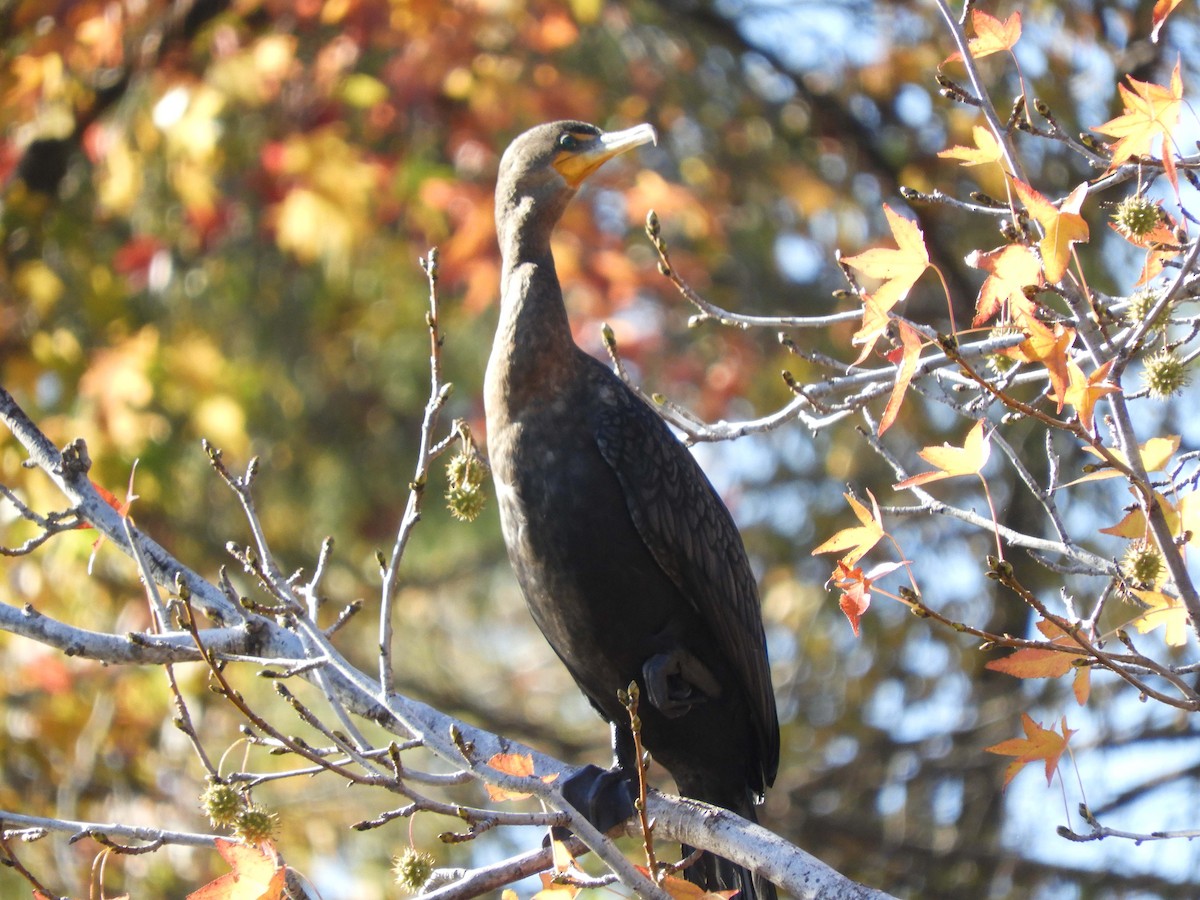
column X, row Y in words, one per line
column 1164, row 374
column 412, row 869
column 221, row 802
column 1140, row 305
column 999, row 362
column 255, row 824
column 466, row 501
column 1143, row 564
column 1136, row 215
column 466, row 468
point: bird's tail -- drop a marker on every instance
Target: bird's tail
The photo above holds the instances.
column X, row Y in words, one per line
column 716, row 874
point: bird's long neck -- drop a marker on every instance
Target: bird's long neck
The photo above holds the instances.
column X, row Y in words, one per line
column 533, row 347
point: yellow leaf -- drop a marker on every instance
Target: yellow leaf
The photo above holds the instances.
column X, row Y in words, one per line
column 1133, row 525
column 1155, row 454
column 859, row 539
column 898, row 269
column 1163, row 612
column 1084, row 390
column 950, row 461
column 1151, row 111
column 986, row 150
column 1063, row 226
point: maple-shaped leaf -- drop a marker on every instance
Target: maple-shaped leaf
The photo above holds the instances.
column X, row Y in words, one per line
column 858, row 539
column 1041, row 743
column 1166, row 612
column 898, row 269
column 518, row 764
column 855, row 586
column 1083, row 391
column 1151, row 111
column 1133, row 525
column 1155, row 455
column 257, row 874
column 1011, row 270
column 950, row 461
column 1037, row 662
column 1049, row 347
column 991, row 35
column 909, row 353
column 987, row 150
column 1162, row 9
column 1062, row 225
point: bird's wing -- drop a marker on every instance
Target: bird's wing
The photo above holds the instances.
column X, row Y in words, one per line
column 693, row 538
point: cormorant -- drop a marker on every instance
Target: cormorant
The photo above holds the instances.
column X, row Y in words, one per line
column 630, row 563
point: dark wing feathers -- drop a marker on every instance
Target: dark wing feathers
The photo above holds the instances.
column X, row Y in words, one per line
column 691, row 535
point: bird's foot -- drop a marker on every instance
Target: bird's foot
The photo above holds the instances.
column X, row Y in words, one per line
column 603, row 796
column 676, row 682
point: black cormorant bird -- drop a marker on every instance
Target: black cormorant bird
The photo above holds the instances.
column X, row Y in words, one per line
column 630, row 563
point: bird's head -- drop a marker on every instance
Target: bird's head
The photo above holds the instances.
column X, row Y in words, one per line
column 541, row 170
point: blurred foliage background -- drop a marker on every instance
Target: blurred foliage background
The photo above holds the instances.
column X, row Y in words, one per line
column 210, row 228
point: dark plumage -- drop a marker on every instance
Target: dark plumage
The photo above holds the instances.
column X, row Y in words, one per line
column 629, row 561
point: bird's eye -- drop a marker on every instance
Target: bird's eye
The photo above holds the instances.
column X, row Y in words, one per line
column 568, row 141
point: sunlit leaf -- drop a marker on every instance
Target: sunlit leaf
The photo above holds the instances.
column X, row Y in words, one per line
column 1083, row 391
column 898, row 269
column 1063, row 226
column 909, row 355
column 950, row 461
column 858, row 539
column 1164, row 612
column 257, row 874
column 991, row 35
column 1151, row 112
column 1038, row 744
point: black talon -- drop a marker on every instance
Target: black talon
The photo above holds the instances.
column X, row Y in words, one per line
column 603, row 796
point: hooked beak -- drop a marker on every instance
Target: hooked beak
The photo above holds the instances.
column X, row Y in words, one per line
column 576, row 167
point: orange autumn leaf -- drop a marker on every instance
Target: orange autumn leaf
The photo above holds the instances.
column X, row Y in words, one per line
column 257, row 874
column 1039, row 743
column 1083, row 391
column 1166, row 612
column 1037, row 662
column 518, row 764
column 1049, row 347
column 1151, row 111
column 855, row 586
column 1033, row 662
column 1012, row 269
column 898, row 269
column 950, row 461
column 1162, row 9
column 991, row 35
column 685, row 890
column 1062, row 226
column 909, row 354
column 858, row 539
